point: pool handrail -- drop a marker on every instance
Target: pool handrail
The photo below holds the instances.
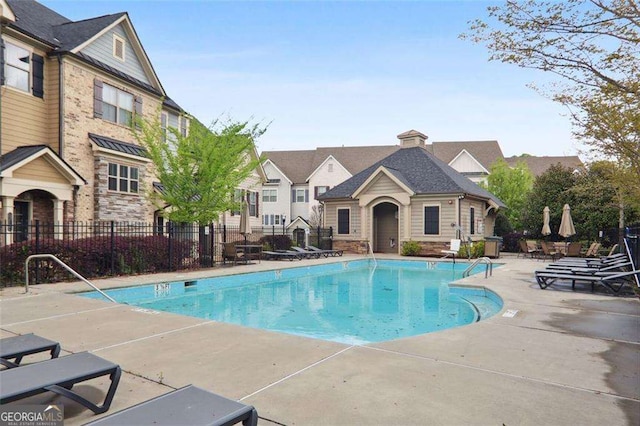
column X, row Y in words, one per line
column 488, row 269
column 65, row 266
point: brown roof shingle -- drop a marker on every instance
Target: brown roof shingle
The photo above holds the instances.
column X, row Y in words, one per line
column 539, row 165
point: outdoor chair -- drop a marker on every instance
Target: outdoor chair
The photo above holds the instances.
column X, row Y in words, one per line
column 592, row 251
column 525, row 249
column 574, row 249
column 59, row 375
column 307, row 253
column 13, row 349
column 614, row 281
column 548, row 251
column 454, row 248
column 229, row 252
column 189, row 405
column 613, row 249
column 326, row 253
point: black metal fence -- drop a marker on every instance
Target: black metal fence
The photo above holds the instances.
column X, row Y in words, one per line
column 98, row 249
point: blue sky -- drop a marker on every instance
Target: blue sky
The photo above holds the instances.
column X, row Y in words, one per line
column 340, row 73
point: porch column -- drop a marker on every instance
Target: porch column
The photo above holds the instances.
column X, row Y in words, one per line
column 364, row 226
column 58, row 216
column 406, row 212
column 8, row 218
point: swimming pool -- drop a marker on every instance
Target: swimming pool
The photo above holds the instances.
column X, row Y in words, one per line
column 354, row 302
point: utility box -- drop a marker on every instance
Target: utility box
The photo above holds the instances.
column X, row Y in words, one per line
column 492, row 246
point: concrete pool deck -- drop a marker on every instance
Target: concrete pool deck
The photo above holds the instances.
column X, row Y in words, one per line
column 565, row 358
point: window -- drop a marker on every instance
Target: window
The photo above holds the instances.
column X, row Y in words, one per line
column 237, row 198
column 123, row 178
column 472, row 221
column 269, row 195
column 253, row 203
column 18, row 67
column 118, row 47
column 319, row 190
column 343, row 221
column 117, row 105
column 300, row 196
column 431, row 220
column 330, row 167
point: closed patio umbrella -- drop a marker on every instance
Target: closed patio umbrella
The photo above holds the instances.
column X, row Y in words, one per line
column 566, row 224
column 546, row 229
column 245, row 224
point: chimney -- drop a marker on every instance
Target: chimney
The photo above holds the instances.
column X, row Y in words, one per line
column 412, row 138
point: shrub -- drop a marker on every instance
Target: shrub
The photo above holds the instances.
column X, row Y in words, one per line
column 410, row 248
column 476, row 250
column 277, row 242
column 510, row 242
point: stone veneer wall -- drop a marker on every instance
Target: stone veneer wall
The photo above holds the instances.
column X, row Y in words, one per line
column 427, row 248
column 78, row 122
column 118, row 206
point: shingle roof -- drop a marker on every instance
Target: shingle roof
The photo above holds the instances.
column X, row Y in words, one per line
column 419, row 170
column 298, row 165
column 539, row 165
column 64, row 35
column 486, row 152
column 116, row 145
column 73, row 34
column 12, row 158
column 21, row 153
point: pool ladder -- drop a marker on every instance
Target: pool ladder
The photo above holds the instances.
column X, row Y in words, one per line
column 375, row 262
column 65, row 266
column 488, row 269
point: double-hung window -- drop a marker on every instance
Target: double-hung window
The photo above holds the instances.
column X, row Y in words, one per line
column 17, row 70
column 123, row 178
column 319, row 190
column 344, row 216
column 299, row 195
column 117, row 105
column 269, row 195
column 431, row 220
column 253, row 203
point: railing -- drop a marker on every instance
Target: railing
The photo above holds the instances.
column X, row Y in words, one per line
column 488, row 267
column 65, row 266
column 375, row 262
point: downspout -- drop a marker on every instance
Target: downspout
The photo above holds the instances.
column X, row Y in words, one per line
column 60, row 109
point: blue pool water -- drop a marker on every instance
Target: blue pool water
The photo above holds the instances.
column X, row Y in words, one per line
column 349, row 302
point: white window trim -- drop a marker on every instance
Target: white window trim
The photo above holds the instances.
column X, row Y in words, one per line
column 132, row 110
column 338, row 219
column 28, row 49
column 439, row 206
column 271, row 192
column 471, row 224
column 128, row 178
column 303, row 198
column 116, row 39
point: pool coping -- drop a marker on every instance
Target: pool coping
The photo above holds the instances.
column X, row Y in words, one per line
column 562, row 350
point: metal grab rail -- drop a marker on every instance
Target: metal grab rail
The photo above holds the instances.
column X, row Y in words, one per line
column 375, row 262
column 488, row 270
column 65, row 266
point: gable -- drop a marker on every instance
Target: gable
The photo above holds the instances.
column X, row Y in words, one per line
column 41, row 170
column 102, row 48
column 382, row 185
column 467, row 163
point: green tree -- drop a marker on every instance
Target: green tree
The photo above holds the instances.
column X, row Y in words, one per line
column 199, row 172
column 593, row 49
column 552, row 189
column 512, row 186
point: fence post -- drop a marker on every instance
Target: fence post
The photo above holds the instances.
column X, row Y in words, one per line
column 37, row 251
column 318, row 235
column 170, row 246
column 112, row 240
column 212, row 238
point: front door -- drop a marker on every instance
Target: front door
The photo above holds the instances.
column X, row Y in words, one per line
column 21, row 220
column 298, row 236
column 385, row 220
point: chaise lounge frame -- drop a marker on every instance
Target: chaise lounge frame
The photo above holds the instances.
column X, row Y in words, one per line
column 13, row 349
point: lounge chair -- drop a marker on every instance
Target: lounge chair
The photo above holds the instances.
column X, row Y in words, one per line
column 609, row 280
column 13, row 349
column 548, row 251
column 307, row 253
column 454, row 247
column 283, row 254
column 573, row 249
column 326, row 253
column 592, row 251
column 59, row 375
column 526, row 249
column 189, row 405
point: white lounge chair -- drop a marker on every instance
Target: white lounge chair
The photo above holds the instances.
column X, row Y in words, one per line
column 454, row 247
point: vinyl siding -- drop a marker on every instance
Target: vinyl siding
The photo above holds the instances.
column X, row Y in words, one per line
column 448, row 215
column 383, row 185
column 331, row 218
column 39, row 170
column 102, row 50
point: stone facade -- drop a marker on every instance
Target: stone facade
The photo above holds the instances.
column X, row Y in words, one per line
column 351, row 246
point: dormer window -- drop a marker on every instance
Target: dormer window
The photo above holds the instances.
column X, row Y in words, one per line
column 118, row 47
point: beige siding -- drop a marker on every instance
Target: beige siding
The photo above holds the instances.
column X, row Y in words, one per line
column 383, row 185
column 448, row 215
column 25, row 118
column 39, row 170
column 331, row 218
column 465, row 215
